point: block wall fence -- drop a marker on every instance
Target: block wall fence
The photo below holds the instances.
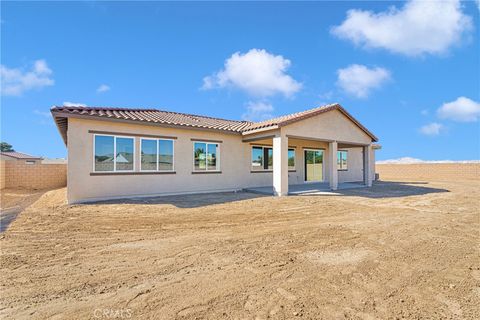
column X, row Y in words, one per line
column 18, row 174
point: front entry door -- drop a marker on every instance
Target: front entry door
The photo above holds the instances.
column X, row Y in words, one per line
column 313, row 165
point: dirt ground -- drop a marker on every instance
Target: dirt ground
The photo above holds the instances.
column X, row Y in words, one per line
column 407, row 248
column 22, row 198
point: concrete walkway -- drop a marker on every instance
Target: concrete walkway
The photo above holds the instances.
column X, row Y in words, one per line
column 308, row 188
column 7, row 216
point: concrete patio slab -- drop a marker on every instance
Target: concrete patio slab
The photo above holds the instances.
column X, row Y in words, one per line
column 308, row 188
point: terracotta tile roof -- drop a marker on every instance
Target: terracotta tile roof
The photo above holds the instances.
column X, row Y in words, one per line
column 19, row 155
column 289, row 118
column 294, row 117
column 155, row 116
column 187, row 120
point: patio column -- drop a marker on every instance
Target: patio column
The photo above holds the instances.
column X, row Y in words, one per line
column 367, row 174
column 280, row 165
column 332, row 164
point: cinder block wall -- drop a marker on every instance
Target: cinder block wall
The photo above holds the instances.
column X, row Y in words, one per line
column 429, row 171
column 2, row 174
column 18, row 174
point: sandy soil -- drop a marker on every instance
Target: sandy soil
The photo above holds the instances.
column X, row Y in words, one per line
column 11, row 198
column 397, row 250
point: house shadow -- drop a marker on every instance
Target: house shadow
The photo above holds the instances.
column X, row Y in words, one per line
column 379, row 190
column 8, row 215
column 185, row 201
column 388, row 189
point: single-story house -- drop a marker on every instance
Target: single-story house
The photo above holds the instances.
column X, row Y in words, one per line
column 120, row 152
column 19, row 157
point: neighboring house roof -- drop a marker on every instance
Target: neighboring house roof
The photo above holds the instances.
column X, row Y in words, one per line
column 169, row 118
column 54, row 161
column 19, row 155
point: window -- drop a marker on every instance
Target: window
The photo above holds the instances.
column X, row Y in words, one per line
column 165, row 155
column 257, row 158
column 124, row 154
column 342, row 157
column 291, row 159
column 268, row 156
column 113, row 153
column 156, row 155
column 148, row 155
column 205, row 156
column 262, row 158
column 30, row 161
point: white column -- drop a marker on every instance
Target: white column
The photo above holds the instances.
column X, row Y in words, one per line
column 367, row 166
column 280, row 165
column 332, row 164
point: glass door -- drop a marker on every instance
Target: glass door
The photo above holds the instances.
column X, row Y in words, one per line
column 313, row 165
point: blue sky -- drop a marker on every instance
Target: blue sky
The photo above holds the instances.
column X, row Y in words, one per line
column 407, row 71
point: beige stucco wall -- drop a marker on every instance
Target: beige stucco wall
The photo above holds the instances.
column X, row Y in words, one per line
column 332, row 125
column 234, row 155
column 354, row 165
column 234, row 164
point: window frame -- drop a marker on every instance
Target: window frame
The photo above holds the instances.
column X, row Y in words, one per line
column 157, row 140
column 262, row 167
column 218, row 156
column 114, row 152
column 339, row 160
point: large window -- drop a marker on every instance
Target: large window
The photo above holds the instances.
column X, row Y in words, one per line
column 206, row 156
column 342, row 157
column 114, row 153
column 262, row 158
column 156, row 155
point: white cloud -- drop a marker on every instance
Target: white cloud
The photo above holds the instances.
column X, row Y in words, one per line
column 326, row 95
column 419, row 27
column 432, row 129
column 103, row 88
column 359, row 80
column 463, row 110
column 73, row 104
column 15, row 81
column 478, row 4
column 258, row 111
column 257, row 72
column 42, row 113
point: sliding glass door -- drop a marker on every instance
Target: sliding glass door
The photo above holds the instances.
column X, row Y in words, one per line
column 313, row 165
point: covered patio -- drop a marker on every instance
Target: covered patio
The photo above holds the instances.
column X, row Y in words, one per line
column 311, row 152
column 309, row 188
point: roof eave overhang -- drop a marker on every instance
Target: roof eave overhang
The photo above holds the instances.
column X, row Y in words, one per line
column 58, row 116
column 61, row 122
column 273, row 127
